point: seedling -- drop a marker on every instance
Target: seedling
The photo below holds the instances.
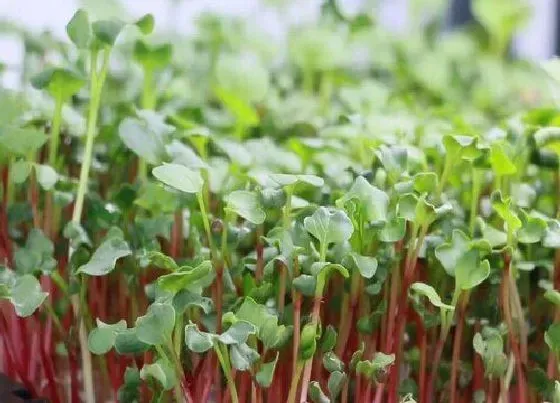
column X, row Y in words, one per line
column 234, row 228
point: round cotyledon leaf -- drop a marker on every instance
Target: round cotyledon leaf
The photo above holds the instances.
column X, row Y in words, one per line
column 179, row 177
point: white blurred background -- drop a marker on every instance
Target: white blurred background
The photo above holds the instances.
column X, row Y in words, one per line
column 537, row 41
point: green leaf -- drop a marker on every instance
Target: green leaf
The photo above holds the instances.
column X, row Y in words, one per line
column 316, row 394
column 449, row 253
column 429, row 292
column 145, row 24
column 162, row 371
column 552, row 235
column 185, row 278
column 373, row 201
column 153, row 57
column 79, row 30
column 394, row 230
column 179, row 177
column 265, row 375
column 335, row 383
column 501, row 163
column 272, row 335
column 21, row 140
column 328, row 339
column 366, row 265
column 46, row 176
column 162, row 261
column 26, row 295
column 548, row 138
column 247, row 205
column 104, row 259
column 425, row 182
column 377, row 368
column 332, row 363
column 156, row 326
column 419, row 211
column 19, row 171
column 244, row 112
column 490, row 348
column 329, row 225
column 237, row 333
column 506, row 213
column 243, row 77
column 322, row 271
column 290, row 179
column 553, row 296
column 185, row 299
column 243, row 357
column 552, row 338
column 60, row 83
column 470, row 271
column 154, row 198
column 455, row 146
column 129, row 391
column 102, row 339
column 394, row 160
column 308, row 341
column 253, row 313
column 501, row 18
column 127, row 342
column 106, row 31
column 37, row 255
column 305, row 284
column 494, row 236
column 532, row 228
column 137, row 135
column 197, row 341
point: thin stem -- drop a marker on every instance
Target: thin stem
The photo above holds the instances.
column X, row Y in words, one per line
column 286, row 221
column 222, row 354
column 457, row 340
column 55, row 131
column 349, row 302
column 444, row 174
column 96, row 83
column 435, row 364
column 49, row 216
column 96, row 88
column 475, row 195
column 308, row 81
column 295, row 382
column 309, row 363
column 323, row 252
column 206, row 224
column 259, row 270
column 147, row 102
column 10, row 186
column 296, row 297
column 52, row 314
column 514, row 342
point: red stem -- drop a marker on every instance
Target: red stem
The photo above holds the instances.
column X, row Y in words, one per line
column 74, row 383
column 33, row 194
column 478, row 366
column 423, row 347
column 259, row 249
column 177, row 234
column 49, row 372
column 307, row 369
column 435, row 366
column 296, row 298
column 282, row 290
column 457, row 341
column 514, row 342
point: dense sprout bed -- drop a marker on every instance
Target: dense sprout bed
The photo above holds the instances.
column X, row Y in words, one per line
column 346, row 215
